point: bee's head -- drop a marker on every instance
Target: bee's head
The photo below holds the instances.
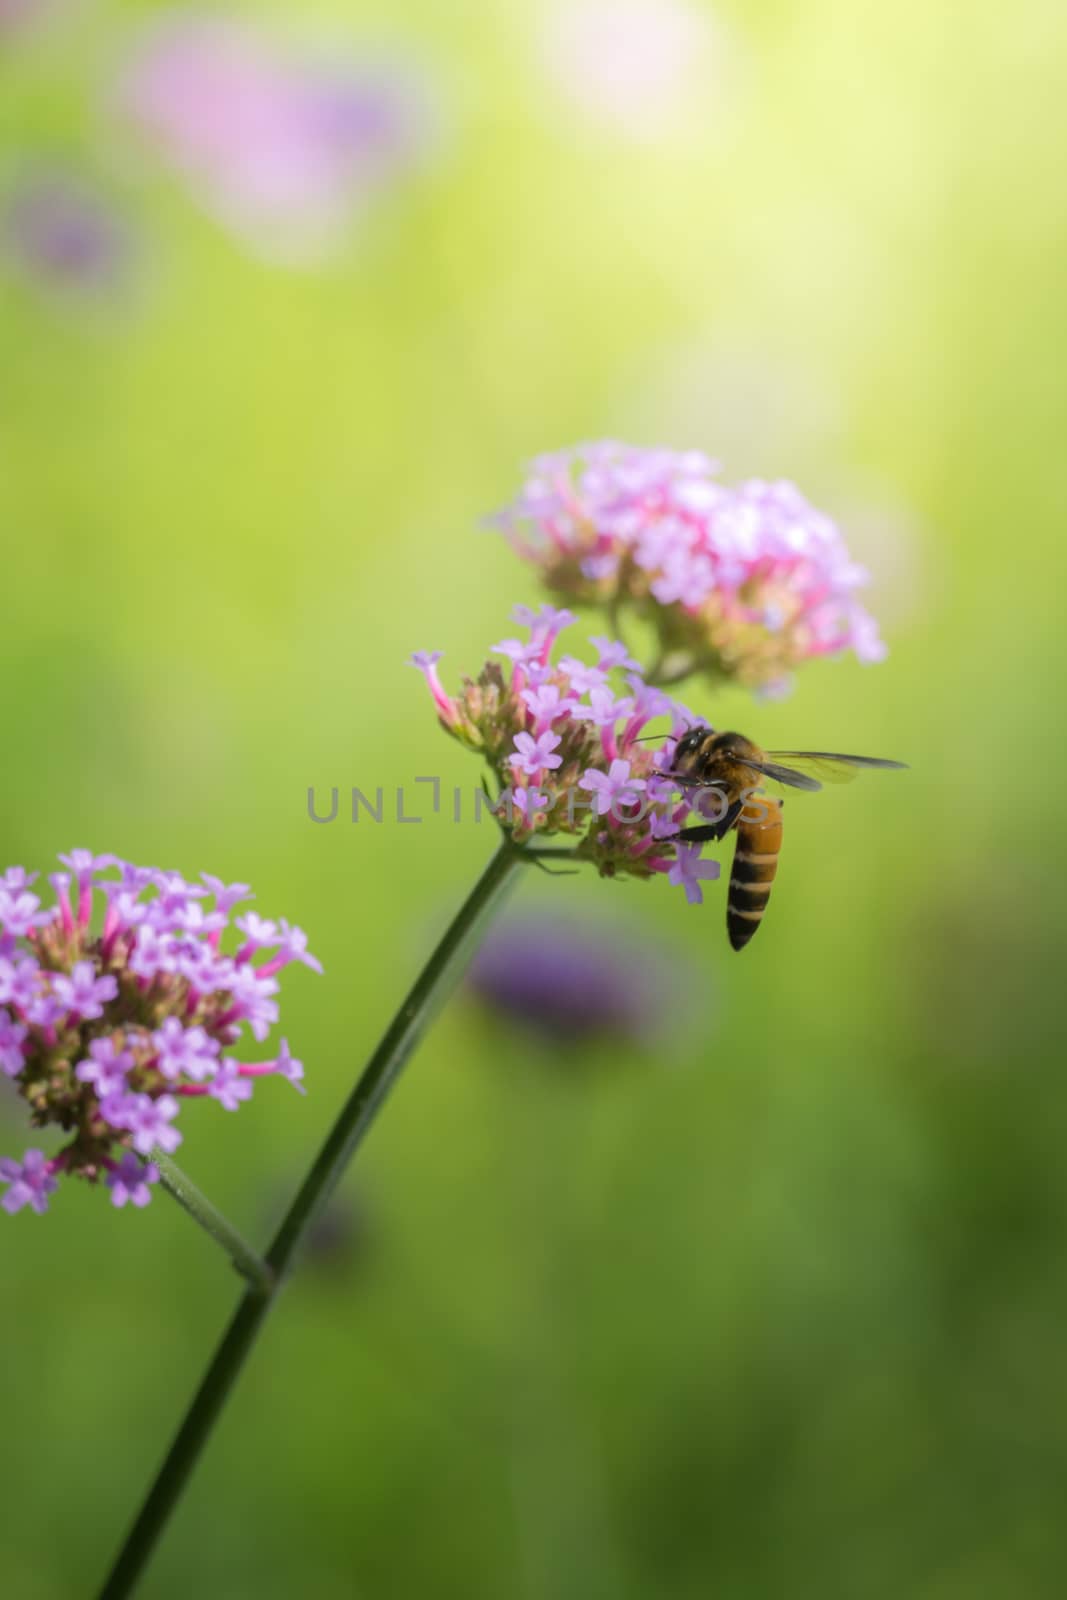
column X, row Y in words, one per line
column 690, row 747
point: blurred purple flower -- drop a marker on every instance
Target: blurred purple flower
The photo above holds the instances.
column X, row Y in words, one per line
column 63, row 233
column 15, row 14
column 572, row 979
column 283, row 148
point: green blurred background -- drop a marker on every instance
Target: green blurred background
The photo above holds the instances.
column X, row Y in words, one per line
column 779, row 1310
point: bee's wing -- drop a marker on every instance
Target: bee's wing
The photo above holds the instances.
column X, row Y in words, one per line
column 791, row 776
column 797, row 769
column 802, row 769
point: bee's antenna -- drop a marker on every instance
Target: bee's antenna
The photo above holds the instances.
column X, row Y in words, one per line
column 647, row 738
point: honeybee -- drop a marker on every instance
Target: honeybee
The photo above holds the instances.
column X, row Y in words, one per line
column 734, row 768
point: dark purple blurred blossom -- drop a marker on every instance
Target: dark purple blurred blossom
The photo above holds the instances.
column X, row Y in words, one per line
column 342, row 1237
column 64, row 233
column 569, row 980
column 283, row 148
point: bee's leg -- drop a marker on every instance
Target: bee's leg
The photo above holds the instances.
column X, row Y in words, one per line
column 540, row 856
column 554, row 872
column 710, row 830
column 685, row 782
column 700, row 833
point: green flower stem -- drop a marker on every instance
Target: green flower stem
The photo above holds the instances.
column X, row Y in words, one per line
column 431, row 988
column 664, row 677
column 613, row 613
column 244, row 1258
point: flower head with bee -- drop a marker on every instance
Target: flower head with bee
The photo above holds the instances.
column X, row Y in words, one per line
column 564, row 740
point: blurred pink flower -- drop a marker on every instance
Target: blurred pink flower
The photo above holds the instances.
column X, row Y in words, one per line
column 631, row 64
column 743, row 582
column 284, row 148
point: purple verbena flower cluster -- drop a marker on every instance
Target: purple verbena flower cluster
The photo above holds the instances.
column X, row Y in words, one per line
column 107, row 1033
column 742, row 583
column 563, row 739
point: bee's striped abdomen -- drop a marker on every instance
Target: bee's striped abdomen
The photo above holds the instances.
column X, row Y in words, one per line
column 759, row 839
